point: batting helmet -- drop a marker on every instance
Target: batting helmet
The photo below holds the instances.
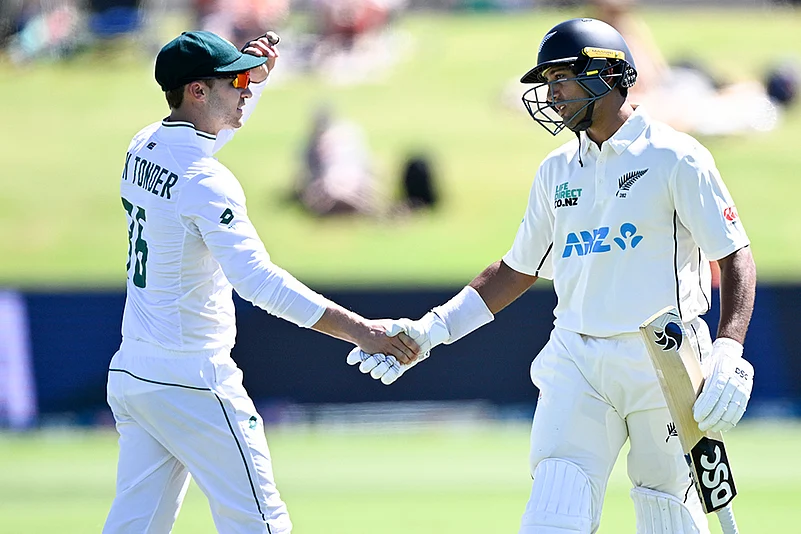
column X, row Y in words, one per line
column 598, row 56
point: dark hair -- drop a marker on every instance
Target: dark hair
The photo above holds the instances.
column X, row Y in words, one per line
column 175, row 97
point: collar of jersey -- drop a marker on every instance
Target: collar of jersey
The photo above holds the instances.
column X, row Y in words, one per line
column 186, row 133
column 634, row 126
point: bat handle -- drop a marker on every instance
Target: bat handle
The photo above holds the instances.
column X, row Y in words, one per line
column 727, row 523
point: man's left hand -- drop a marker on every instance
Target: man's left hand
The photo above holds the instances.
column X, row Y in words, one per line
column 729, row 380
column 262, row 47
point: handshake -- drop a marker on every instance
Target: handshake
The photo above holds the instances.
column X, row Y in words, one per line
column 444, row 324
column 428, row 332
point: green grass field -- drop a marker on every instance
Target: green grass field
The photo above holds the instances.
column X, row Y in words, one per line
column 447, row 481
column 67, row 125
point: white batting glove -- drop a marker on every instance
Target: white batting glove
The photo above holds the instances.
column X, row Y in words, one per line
column 428, row 332
column 727, row 388
column 381, row 366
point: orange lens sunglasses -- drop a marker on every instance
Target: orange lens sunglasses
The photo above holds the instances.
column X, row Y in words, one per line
column 241, row 80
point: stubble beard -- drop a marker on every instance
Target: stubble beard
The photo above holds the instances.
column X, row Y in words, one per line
column 222, row 112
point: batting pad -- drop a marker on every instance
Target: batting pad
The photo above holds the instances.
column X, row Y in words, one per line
column 560, row 502
column 659, row 512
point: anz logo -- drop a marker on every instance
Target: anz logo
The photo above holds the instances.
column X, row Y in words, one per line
column 595, row 241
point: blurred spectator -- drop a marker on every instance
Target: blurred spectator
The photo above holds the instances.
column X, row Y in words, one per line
column 782, row 83
column 419, row 188
column 343, row 22
column 354, row 41
column 17, row 391
column 685, row 95
column 240, row 20
column 112, row 18
column 43, row 29
column 493, row 5
column 10, row 15
column 337, row 176
column 56, row 29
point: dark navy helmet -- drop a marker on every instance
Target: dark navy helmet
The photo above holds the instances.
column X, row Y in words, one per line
column 597, row 55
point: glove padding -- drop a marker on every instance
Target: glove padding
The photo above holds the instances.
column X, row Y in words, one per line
column 381, row 366
column 428, row 332
column 727, row 388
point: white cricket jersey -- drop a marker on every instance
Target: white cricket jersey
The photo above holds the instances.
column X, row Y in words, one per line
column 629, row 232
column 190, row 240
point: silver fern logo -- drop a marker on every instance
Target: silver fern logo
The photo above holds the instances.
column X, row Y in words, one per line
column 670, row 338
column 544, row 39
column 625, row 182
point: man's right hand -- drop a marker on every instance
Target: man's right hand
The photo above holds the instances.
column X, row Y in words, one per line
column 262, row 47
column 428, row 332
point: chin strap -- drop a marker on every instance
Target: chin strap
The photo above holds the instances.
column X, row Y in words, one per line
column 583, row 125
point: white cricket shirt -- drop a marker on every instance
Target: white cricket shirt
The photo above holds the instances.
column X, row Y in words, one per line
column 629, row 232
column 190, row 241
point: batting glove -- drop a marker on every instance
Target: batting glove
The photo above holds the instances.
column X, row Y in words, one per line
column 727, row 388
column 428, row 332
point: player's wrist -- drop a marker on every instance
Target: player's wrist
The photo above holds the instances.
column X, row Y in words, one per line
column 436, row 330
column 464, row 313
column 728, row 347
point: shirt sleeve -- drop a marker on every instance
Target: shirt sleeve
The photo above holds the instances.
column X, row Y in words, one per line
column 213, row 207
column 705, row 206
column 532, row 249
column 250, row 104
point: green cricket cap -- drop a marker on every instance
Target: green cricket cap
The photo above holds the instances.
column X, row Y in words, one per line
column 200, row 54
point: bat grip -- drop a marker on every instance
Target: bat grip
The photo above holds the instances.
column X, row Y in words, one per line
column 727, row 523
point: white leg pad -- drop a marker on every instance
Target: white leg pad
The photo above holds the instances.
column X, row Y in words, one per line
column 560, row 502
column 662, row 513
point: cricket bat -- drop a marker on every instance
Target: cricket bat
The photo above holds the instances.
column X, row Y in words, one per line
column 678, row 369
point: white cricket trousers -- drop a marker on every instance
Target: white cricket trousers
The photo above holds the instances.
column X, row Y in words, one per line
column 187, row 414
column 595, row 393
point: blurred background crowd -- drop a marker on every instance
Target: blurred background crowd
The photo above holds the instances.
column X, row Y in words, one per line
column 355, row 41
column 348, row 43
